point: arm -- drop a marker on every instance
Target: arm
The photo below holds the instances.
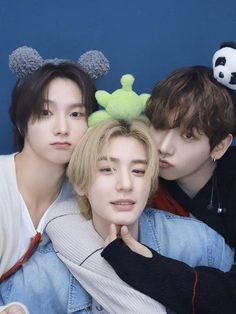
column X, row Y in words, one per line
column 78, row 245
column 173, row 283
column 9, row 223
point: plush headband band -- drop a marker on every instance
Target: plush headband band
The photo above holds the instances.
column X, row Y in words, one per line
column 25, row 60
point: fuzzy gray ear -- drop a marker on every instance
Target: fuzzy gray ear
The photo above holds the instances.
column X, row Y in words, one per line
column 94, row 63
column 24, row 61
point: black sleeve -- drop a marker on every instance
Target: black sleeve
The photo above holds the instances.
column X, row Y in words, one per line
column 173, row 283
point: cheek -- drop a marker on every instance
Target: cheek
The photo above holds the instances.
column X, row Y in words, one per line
column 157, row 138
column 193, row 158
column 80, row 128
column 36, row 131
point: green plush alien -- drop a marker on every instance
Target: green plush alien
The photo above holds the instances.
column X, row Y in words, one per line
column 123, row 103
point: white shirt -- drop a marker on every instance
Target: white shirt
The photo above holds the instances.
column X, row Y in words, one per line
column 16, row 226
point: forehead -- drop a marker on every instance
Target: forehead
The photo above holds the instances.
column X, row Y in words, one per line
column 124, row 147
column 63, row 88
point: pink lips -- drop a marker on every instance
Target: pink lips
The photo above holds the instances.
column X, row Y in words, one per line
column 61, row 145
column 123, row 204
column 164, row 164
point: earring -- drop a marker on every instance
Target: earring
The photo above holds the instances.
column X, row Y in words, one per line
column 213, row 158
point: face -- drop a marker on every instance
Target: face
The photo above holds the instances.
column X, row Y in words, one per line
column 119, row 191
column 183, row 157
column 63, row 121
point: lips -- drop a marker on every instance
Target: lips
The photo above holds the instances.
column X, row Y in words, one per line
column 61, row 145
column 123, row 205
column 163, row 164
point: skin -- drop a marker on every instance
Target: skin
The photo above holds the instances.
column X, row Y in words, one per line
column 61, row 124
column 48, row 145
column 119, row 185
column 14, row 309
column 186, row 158
column 125, row 235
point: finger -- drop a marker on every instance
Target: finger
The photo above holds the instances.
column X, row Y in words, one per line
column 113, row 230
column 134, row 245
column 14, row 309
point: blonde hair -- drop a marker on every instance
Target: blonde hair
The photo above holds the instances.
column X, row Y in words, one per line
column 83, row 164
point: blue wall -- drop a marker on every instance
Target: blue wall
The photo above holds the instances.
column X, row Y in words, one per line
column 146, row 38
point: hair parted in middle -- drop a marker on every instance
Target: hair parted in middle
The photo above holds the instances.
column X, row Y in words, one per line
column 29, row 96
column 191, row 98
column 82, row 167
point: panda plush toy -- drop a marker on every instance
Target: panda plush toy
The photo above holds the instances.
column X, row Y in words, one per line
column 224, row 65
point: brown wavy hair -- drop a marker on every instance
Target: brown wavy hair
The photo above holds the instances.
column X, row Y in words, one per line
column 191, row 99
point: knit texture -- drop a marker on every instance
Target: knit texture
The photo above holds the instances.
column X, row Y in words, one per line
column 69, row 230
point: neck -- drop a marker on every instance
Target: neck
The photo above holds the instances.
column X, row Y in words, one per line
column 39, row 183
column 192, row 184
column 104, row 228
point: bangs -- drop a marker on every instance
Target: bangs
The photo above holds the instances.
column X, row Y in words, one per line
column 179, row 111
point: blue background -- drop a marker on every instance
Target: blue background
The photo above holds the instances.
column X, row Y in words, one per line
column 145, row 38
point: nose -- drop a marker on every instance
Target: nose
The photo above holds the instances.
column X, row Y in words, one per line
column 61, row 125
column 166, row 144
column 124, row 181
column 221, row 75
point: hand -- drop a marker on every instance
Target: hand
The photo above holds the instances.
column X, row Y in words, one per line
column 127, row 238
column 14, row 308
column 134, row 245
column 113, row 234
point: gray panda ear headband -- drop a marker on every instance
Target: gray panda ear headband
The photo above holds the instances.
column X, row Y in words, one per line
column 224, row 65
column 25, row 60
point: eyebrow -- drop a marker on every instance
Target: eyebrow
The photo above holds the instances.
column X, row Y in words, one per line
column 71, row 106
column 113, row 159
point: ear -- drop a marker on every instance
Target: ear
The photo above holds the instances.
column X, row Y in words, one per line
column 220, row 149
column 78, row 190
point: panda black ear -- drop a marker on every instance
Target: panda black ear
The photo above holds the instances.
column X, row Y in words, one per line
column 230, row 44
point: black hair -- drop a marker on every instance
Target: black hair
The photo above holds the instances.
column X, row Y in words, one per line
column 28, row 95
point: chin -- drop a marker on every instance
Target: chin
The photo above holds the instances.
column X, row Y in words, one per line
column 168, row 176
column 125, row 222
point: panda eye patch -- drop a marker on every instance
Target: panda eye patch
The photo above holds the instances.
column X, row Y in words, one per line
column 220, row 61
column 233, row 78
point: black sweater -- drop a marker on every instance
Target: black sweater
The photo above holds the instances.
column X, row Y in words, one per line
column 176, row 285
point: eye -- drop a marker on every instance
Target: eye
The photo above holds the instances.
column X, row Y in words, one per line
column 77, row 114
column 106, row 170
column 139, row 172
column 45, row 113
column 220, row 61
column 233, row 78
column 188, row 135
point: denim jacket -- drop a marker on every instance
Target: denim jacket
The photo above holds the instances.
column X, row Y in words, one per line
column 45, row 285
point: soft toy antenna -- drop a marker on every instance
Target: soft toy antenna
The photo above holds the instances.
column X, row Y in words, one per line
column 123, row 103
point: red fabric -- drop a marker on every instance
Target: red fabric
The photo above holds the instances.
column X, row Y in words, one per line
column 194, row 293
column 33, row 245
column 163, row 200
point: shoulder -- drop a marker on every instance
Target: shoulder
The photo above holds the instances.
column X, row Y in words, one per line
column 153, row 213
column 166, row 220
column 8, row 191
column 61, row 208
column 226, row 166
column 6, row 161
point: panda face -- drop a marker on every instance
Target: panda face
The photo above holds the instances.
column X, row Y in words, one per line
column 224, row 67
